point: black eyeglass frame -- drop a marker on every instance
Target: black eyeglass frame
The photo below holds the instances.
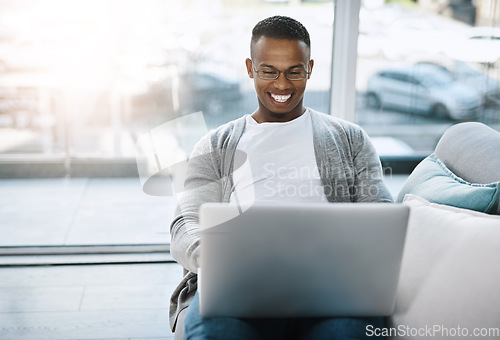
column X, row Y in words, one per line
column 279, row 73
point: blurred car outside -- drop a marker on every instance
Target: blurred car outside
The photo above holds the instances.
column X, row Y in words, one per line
column 210, row 92
column 180, row 93
column 391, row 146
column 473, row 75
column 424, row 89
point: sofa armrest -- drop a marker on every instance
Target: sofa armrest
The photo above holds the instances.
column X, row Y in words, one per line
column 449, row 274
column 471, row 151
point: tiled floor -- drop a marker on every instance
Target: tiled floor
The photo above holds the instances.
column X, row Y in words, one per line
column 87, row 302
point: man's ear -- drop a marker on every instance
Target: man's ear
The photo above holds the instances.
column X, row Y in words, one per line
column 249, row 67
column 311, row 64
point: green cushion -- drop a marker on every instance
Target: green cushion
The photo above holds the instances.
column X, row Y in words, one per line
column 433, row 181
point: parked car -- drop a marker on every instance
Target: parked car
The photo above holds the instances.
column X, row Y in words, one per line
column 474, row 76
column 423, row 89
column 176, row 95
column 209, row 92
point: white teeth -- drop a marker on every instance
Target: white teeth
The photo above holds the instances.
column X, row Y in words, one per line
column 281, row 98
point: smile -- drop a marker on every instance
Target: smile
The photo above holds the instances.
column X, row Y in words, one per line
column 281, row 98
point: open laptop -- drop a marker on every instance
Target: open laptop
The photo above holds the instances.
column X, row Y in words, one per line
column 300, row 260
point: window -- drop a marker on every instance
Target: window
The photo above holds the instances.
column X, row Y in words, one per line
column 83, row 82
column 87, row 86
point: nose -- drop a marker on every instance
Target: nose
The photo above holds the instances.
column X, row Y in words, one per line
column 282, row 82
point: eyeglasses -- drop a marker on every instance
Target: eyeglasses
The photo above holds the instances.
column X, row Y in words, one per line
column 270, row 73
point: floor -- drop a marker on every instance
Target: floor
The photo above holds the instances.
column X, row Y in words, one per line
column 105, row 301
column 128, row 298
column 87, row 302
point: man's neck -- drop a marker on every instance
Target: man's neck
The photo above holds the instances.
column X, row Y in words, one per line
column 266, row 116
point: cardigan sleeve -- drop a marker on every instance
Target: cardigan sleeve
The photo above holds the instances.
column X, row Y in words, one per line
column 369, row 185
column 202, row 184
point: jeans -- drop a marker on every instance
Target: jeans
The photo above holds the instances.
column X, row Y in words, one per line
column 227, row 328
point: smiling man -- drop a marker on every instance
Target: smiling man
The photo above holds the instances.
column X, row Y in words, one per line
column 293, row 154
column 280, row 68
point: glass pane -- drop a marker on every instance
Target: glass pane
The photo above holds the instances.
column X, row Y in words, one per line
column 422, row 68
column 89, row 82
column 86, row 77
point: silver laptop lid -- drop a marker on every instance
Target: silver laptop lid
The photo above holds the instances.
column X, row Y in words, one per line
column 302, row 260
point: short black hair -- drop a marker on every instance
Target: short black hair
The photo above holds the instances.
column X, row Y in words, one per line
column 280, row 27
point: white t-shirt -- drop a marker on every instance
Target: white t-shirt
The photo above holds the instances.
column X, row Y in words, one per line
column 280, row 165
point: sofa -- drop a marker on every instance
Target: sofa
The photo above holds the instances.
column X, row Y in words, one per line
column 450, row 273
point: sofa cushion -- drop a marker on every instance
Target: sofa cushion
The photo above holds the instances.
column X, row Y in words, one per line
column 432, row 180
column 472, row 151
column 449, row 274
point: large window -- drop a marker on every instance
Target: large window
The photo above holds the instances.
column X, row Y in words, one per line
column 87, row 88
column 85, row 78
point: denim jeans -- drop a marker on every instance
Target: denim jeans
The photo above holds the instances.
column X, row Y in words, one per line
column 197, row 328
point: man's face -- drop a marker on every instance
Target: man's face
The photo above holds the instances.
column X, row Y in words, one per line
column 280, row 99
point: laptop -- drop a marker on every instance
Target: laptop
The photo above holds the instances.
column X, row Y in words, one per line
column 300, row 260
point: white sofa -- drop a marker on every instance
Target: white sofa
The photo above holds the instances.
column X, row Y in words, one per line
column 450, row 275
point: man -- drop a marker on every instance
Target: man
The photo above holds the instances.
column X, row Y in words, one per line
column 295, row 154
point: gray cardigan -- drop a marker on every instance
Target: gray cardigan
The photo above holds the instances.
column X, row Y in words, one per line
column 349, row 168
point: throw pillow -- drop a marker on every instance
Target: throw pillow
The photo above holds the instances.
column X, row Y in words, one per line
column 432, row 180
